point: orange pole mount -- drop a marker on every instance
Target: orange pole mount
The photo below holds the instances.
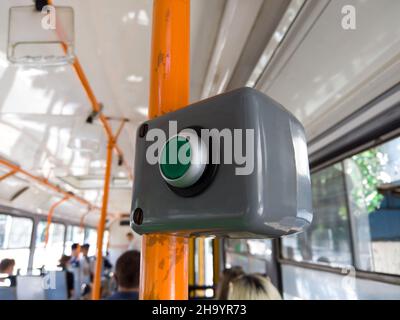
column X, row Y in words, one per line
column 164, row 265
column 50, row 217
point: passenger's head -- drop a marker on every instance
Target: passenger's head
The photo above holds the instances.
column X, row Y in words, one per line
column 252, row 287
column 127, row 270
column 75, row 250
column 85, row 249
column 7, row 266
column 64, row 261
column 227, row 276
column 129, row 236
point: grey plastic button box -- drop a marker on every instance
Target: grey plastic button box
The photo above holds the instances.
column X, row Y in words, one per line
column 273, row 200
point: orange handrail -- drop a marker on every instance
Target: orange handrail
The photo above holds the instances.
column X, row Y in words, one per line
column 164, row 259
column 121, row 126
column 50, row 217
column 47, row 183
column 112, row 145
column 103, row 119
column 8, row 175
column 96, row 106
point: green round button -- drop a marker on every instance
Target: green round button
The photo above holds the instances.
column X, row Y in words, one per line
column 171, row 166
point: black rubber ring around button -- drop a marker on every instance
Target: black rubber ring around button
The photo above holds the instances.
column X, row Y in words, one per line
column 205, row 180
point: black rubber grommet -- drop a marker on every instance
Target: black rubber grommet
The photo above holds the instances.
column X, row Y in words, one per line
column 138, row 216
column 120, row 160
column 39, row 4
column 143, row 130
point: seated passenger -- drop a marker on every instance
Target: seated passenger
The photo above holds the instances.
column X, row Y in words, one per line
column 127, row 271
column 227, row 276
column 7, row 268
column 65, row 265
column 253, row 287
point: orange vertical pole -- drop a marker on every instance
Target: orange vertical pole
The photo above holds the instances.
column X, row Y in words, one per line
column 96, row 292
column 164, row 267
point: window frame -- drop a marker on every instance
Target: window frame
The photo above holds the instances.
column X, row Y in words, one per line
column 36, row 219
column 67, row 225
column 85, row 227
column 40, row 219
column 32, row 231
column 55, row 222
column 361, row 274
column 350, row 238
column 31, row 247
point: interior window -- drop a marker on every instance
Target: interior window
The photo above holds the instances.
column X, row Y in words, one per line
column 75, row 234
column 373, row 183
column 252, row 255
column 327, row 240
column 236, row 245
column 261, row 248
column 203, row 268
column 368, row 186
column 106, row 238
column 15, row 239
column 48, row 256
column 91, row 239
column 88, row 235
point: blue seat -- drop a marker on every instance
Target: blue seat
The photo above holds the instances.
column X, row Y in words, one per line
column 8, row 293
column 30, row 288
column 57, row 286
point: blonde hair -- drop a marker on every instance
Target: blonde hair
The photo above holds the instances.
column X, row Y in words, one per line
column 227, row 276
column 253, row 287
